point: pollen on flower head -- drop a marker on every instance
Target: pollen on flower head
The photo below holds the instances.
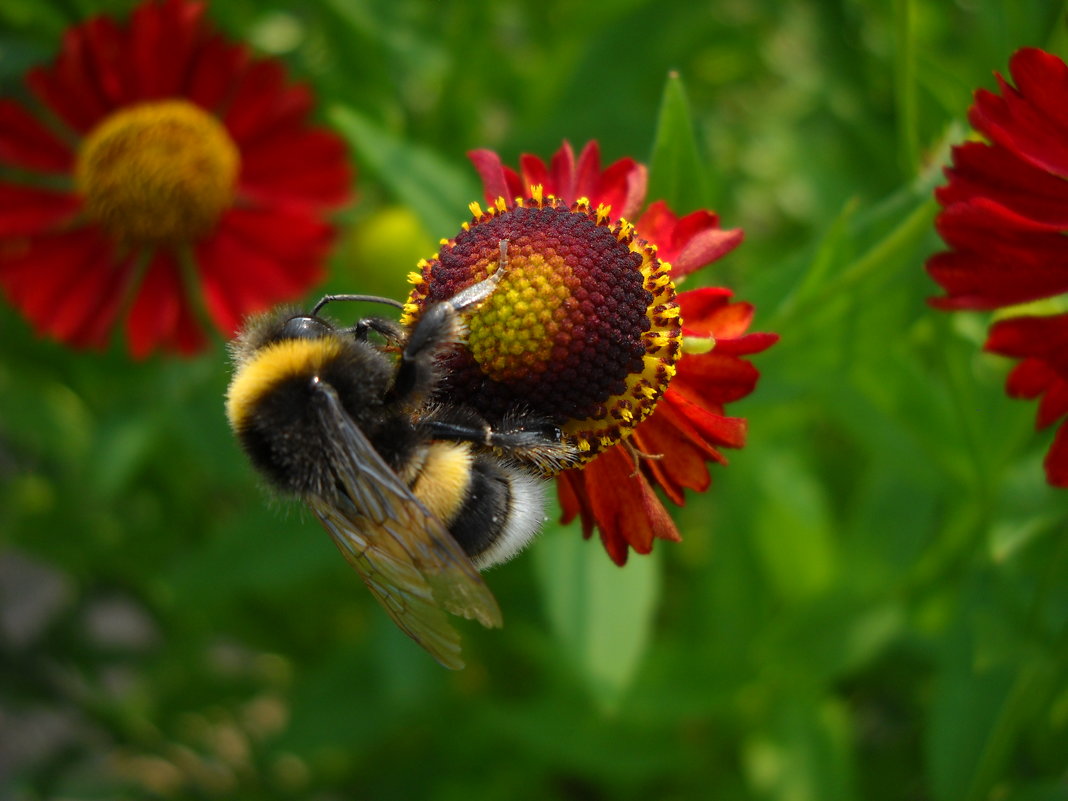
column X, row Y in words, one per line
column 159, row 172
column 583, row 329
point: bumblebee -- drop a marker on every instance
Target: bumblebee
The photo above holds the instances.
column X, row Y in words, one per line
column 417, row 494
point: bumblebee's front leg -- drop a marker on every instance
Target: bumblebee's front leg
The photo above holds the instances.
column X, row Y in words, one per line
column 440, row 325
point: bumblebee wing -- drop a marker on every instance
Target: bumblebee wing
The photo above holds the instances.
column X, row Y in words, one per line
column 398, row 586
column 403, row 553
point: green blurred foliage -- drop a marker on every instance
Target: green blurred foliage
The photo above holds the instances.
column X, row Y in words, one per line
column 870, row 602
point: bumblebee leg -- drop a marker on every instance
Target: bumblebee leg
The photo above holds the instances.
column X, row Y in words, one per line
column 525, row 440
column 440, row 325
column 389, row 330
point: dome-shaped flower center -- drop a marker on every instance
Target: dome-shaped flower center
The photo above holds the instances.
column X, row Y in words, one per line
column 158, row 172
column 583, row 329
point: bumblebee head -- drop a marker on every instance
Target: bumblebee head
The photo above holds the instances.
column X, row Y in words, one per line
column 304, row 326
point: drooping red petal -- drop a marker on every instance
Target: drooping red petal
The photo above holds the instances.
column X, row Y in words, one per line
column 980, row 170
column 29, row 211
column 624, row 506
column 1030, row 120
column 26, row 143
column 688, row 243
column 673, row 460
column 571, row 490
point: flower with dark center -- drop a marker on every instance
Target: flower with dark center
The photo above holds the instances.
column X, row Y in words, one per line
column 588, row 331
column 164, row 177
column 1005, row 219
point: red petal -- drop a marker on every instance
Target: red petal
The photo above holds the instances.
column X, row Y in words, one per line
column 561, row 179
column 30, row 211
column 714, row 378
column 93, row 300
column 993, row 172
column 215, row 69
column 1029, row 379
column 676, row 461
column 160, row 317
column 571, row 490
column 1054, row 404
column 1045, row 337
column 1032, row 122
column 1057, row 459
column 625, row 507
column 110, row 55
column 700, row 306
column 35, row 277
column 257, row 259
column 24, row 142
column 533, row 172
column 68, row 87
column 1002, row 258
column 297, row 166
column 700, row 423
column 494, row 180
column 163, row 37
column 621, row 186
column 688, row 243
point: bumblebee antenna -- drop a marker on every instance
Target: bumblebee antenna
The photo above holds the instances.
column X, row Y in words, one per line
column 355, row 298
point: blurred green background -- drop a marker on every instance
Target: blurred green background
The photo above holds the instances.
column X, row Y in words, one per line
column 870, row 602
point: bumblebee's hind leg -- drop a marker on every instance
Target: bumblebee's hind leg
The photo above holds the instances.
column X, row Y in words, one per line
column 524, row 440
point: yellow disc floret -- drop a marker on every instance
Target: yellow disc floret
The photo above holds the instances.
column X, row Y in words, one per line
column 159, row 172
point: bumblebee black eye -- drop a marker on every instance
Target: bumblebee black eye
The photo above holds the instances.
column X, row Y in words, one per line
column 306, row 327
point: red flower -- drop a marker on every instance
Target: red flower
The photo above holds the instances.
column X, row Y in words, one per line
column 185, row 176
column 1005, row 217
column 688, row 427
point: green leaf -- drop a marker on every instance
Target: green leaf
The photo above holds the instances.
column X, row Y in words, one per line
column 677, row 172
column 601, row 613
column 435, row 189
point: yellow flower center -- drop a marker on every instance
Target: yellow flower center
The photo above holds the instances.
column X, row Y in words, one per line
column 158, row 172
column 514, row 332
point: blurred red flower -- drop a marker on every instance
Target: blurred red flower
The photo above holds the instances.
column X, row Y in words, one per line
column 669, row 449
column 165, row 172
column 1004, row 217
